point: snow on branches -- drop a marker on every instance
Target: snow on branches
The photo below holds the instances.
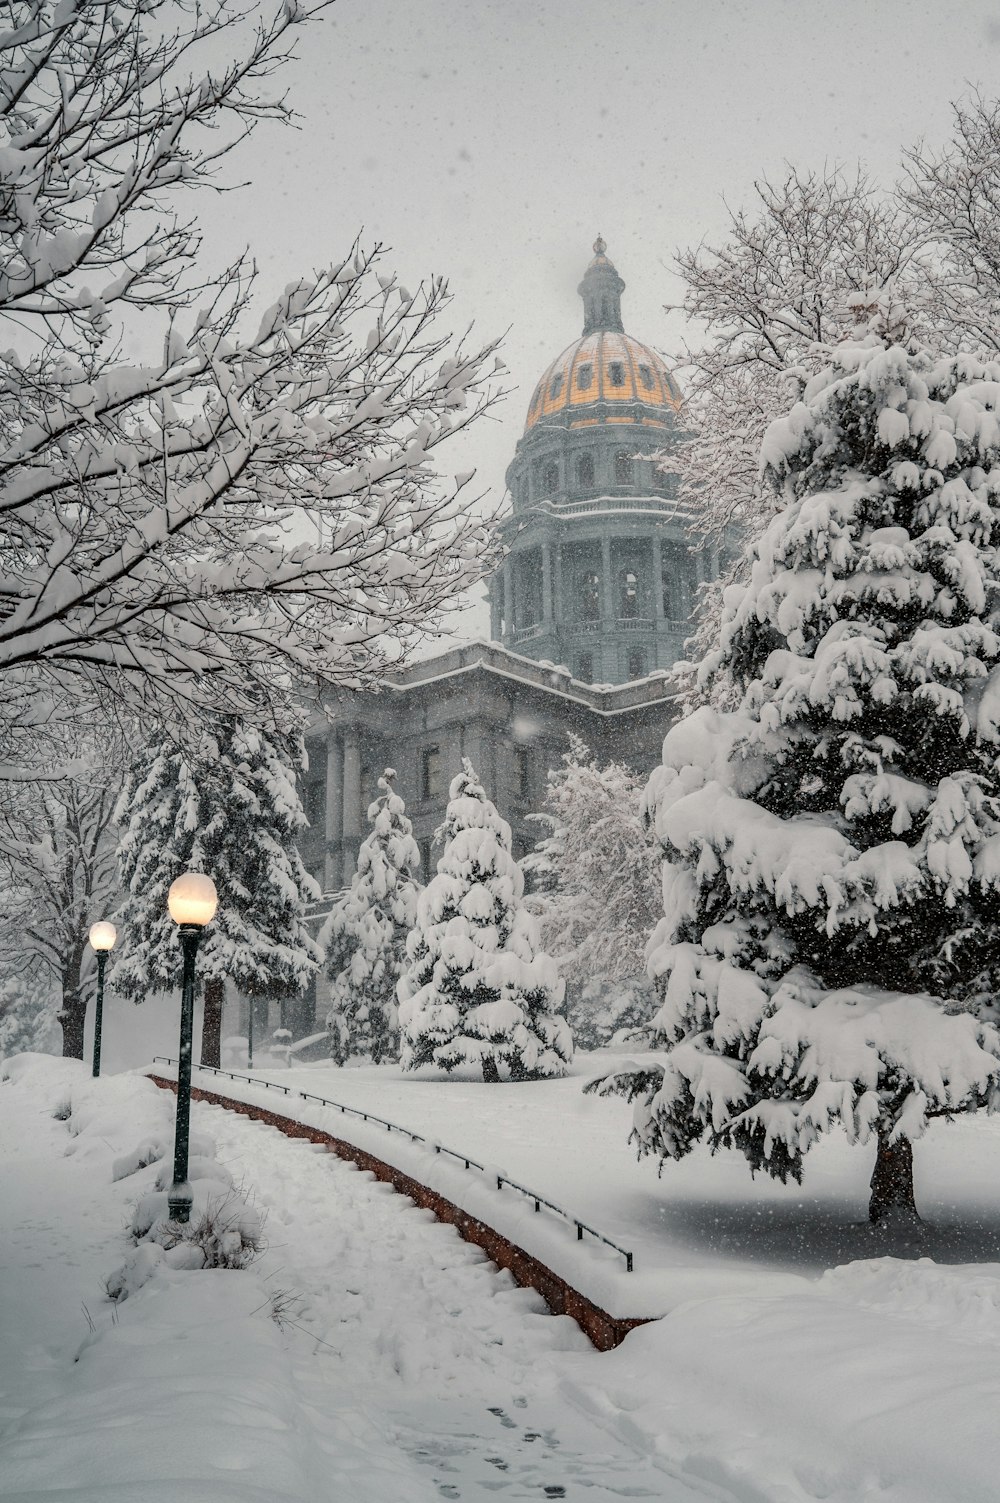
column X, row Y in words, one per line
column 828, row 951
column 255, row 505
column 598, row 895
column 365, row 936
column 477, row 991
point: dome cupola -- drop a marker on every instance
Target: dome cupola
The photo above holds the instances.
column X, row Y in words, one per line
column 599, row 575
column 601, row 290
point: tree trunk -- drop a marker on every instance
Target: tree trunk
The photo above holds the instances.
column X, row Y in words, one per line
column 211, row 1023
column 71, row 1020
column 892, row 1182
column 491, row 1074
column 74, row 1003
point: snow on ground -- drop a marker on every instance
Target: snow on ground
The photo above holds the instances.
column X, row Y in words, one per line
column 703, row 1227
column 406, row 1368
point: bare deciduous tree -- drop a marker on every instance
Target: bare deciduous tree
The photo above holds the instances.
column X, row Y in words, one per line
column 256, row 505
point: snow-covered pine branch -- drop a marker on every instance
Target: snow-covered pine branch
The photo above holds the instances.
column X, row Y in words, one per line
column 227, row 805
column 365, row 936
column 828, row 951
column 260, row 504
column 477, row 989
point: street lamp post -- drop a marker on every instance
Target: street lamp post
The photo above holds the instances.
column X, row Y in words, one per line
column 102, row 937
column 192, row 902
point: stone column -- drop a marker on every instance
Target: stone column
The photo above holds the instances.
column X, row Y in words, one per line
column 558, row 606
column 546, row 583
column 496, row 608
column 352, row 803
column 607, row 583
column 508, row 602
column 334, row 809
column 657, row 577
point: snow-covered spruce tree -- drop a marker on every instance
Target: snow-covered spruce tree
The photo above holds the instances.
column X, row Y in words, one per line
column 365, row 936
column 830, row 948
column 598, row 895
column 477, row 990
column 228, row 806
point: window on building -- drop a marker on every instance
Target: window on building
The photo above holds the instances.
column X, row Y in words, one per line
column 550, row 479
column 636, row 663
column 616, row 373
column 584, row 376
column 432, row 781
column 555, row 386
column 671, row 596
column 628, row 595
column 646, row 377
column 584, row 671
column 588, row 595
column 623, row 468
column 522, row 771
column 585, row 470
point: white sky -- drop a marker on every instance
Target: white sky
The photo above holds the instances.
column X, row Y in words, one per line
column 490, row 140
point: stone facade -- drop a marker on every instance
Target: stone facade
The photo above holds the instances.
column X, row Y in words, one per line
column 588, row 613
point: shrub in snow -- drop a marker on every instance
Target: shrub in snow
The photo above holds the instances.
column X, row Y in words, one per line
column 829, row 947
column 366, row 932
column 228, row 806
column 225, row 1231
column 597, row 896
column 477, row 990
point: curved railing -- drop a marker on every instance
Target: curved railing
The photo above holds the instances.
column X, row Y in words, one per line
column 415, row 1137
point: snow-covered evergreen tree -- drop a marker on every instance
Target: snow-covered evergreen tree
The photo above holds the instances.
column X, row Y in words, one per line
column 477, row 990
column 598, row 894
column 830, row 950
column 227, row 806
column 365, row 936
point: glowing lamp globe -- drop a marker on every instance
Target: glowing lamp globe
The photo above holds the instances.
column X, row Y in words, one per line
column 102, row 935
column 192, row 899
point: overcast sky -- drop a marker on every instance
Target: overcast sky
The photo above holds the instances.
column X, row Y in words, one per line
column 490, row 140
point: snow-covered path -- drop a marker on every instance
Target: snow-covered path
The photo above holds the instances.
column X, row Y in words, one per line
column 412, row 1336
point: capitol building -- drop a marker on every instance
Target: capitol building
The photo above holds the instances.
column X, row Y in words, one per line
column 588, row 612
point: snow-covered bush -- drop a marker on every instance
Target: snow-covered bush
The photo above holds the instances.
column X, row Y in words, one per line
column 830, row 947
column 229, row 806
column 366, row 932
column 477, row 990
column 602, row 1013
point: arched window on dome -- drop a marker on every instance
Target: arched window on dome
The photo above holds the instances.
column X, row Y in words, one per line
column 584, row 376
column 628, row 595
column 623, row 467
column 555, row 386
column 646, row 377
column 616, row 373
column 550, row 478
column 585, row 470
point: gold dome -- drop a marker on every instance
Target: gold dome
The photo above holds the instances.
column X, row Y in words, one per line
column 607, row 367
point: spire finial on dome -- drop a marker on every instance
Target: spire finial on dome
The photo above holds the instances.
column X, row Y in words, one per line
column 601, row 290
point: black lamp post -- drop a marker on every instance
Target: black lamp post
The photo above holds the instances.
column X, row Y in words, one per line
column 102, row 937
column 192, row 902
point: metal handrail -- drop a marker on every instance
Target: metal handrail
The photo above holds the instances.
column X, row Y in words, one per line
column 415, row 1137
